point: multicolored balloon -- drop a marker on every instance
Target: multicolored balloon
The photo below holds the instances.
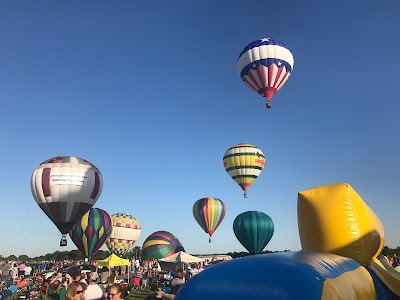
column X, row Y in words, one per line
column 91, row 231
column 65, row 188
column 209, row 213
column 254, row 230
column 160, row 244
column 126, row 231
column 264, row 66
column 244, row 162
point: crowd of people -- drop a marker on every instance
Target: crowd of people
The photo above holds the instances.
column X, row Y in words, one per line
column 102, row 283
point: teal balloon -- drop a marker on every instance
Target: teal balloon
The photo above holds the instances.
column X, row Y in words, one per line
column 254, row 230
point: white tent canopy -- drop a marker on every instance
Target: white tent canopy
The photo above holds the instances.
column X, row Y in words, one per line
column 180, row 257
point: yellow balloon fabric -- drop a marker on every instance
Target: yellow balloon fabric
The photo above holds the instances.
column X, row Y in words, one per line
column 387, row 274
column 354, row 285
column 244, row 162
column 334, row 219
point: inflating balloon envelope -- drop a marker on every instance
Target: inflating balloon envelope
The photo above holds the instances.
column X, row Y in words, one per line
column 160, row 244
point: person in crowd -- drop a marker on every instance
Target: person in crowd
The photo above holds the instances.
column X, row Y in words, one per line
column 14, row 273
column 57, row 291
column 194, row 270
column 77, row 276
column 5, row 271
column 21, row 283
column 139, row 273
column 110, row 282
column 42, row 267
column 201, row 268
column 104, row 274
column 75, row 291
column 93, row 290
column 177, row 282
column 84, row 278
column 27, row 270
column 123, row 270
column 21, row 269
column 115, row 292
column 188, row 274
column 132, row 265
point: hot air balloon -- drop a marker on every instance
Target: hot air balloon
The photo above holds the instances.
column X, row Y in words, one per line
column 244, row 162
column 91, row 231
column 65, row 188
column 126, row 231
column 160, row 244
column 209, row 213
column 254, row 230
column 264, row 66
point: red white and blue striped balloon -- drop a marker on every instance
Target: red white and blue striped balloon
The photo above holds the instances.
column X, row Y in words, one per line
column 265, row 65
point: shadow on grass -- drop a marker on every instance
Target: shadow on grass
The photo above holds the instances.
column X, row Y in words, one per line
column 138, row 294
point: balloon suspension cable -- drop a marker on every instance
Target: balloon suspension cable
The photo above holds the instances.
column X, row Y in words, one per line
column 245, row 195
column 268, row 104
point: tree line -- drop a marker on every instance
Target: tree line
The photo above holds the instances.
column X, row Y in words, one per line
column 68, row 255
column 134, row 253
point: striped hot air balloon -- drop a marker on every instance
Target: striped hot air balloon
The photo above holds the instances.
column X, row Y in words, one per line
column 264, row 66
column 65, row 188
column 244, row 162
column 126, row 231
column 209, row 213
column 91, row 231
column 160, row 244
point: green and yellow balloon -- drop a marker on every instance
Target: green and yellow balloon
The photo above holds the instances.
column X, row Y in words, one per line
column 244, row 162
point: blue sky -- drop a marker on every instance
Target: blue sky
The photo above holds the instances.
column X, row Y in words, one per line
column 149, row 92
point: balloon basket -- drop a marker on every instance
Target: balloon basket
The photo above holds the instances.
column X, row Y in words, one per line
column 209, row 240
column 245, row 195
column 63, row 241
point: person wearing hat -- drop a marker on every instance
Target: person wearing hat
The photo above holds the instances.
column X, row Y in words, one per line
column 93, row 290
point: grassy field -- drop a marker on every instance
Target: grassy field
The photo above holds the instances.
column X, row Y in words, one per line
column 138, row 294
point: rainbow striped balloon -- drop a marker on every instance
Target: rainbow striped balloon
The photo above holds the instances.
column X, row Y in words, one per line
column 91, row 231
column 209, row 213
column 244, row 162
